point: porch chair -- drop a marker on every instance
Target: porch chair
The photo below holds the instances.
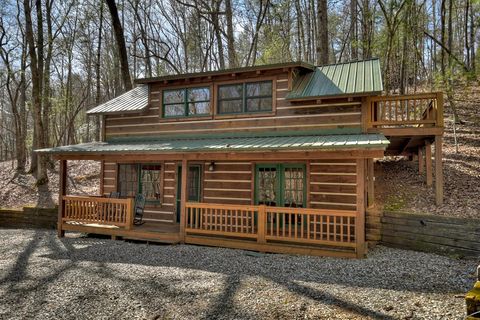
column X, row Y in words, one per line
column 114, row 194
column 139, row 207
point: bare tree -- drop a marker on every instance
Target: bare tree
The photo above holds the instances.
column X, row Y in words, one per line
column 121, row 46
column 322, row 30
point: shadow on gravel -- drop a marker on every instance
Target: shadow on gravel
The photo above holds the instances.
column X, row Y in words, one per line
column 19, row 283
column 234, row 265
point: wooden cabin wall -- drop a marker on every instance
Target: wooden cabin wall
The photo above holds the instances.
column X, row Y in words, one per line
column 109, row 177
column 230, row 183
column 331, row 184
column 286, row 115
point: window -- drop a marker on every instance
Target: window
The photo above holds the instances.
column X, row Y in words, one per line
column 150, row 181
column 186, row 102
column 245, row 97
column 140, row 178
column 280, row 185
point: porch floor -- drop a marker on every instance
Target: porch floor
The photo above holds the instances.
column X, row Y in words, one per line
column 150, row 231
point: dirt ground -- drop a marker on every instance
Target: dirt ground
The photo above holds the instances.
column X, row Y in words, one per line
column 19, row 190
column 399, row 187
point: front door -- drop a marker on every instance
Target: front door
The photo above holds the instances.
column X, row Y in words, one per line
column 280, row 185
column 193, row 186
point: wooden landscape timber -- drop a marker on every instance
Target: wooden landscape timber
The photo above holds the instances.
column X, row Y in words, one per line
column 297, row 199
column 429, row 233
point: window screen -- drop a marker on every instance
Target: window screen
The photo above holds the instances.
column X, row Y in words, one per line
column 128, row 180
column 245, row 97
column 150, row 181
column 186, row 102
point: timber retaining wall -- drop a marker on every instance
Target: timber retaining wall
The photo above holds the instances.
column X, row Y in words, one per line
column 29, row 218
column 429, row 233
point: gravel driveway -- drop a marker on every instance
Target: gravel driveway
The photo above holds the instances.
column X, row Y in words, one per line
column 44, row 277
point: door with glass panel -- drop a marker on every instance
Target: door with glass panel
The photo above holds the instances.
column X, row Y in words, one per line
column 193, row 186
column 280, row 185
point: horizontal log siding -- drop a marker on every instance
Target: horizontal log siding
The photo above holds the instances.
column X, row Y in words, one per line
column 229, row 183
column 308, row 115
column 109, row 177
column 333, row 184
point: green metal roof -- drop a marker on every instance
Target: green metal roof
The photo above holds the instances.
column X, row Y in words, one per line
column 350, row 78
column 134, row 100
column 293, row 64
column 228, row 144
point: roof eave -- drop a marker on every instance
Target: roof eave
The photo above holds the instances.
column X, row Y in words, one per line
column 301, row 65
column 117, row 112
column 335, row 96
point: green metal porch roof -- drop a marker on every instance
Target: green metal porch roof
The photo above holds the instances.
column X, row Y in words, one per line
column 349, row 78
column 227, row 144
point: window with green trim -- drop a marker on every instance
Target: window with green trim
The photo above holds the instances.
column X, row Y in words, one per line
column 245, row 97
column 281, row 185
column 140, row 178
column 186, row 102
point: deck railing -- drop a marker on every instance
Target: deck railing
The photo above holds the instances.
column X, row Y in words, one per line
column 273, row 224
column 415, row 110
column 97, row 210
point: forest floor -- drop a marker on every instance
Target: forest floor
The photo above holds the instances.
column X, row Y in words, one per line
column 398, row 186
column 20, row 190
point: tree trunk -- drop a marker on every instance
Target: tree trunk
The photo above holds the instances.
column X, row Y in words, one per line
column 35, row 67
column 322, row 29
column 121, row 47
column 98, row 95
column 353, row 30
column 232, row 58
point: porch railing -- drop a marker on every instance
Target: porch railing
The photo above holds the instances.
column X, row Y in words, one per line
column 97, row 210
column 415, row 110
column 273, row 224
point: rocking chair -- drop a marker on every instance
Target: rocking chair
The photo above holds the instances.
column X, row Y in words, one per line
column 138, row 210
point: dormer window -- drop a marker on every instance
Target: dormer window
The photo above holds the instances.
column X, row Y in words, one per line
column 247, row 97
column 186, row 102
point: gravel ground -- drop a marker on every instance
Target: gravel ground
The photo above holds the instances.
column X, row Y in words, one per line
column 44, row 277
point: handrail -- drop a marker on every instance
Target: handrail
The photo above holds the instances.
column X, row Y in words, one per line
column 412, row 110
column 96, row 210
column 273, row 224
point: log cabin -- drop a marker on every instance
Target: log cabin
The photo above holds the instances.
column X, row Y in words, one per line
column 273, row 158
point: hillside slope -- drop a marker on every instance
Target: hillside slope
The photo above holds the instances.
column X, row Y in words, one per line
column 399, row 187
column 20, row 190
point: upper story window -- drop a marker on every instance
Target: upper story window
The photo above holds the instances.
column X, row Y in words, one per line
column 245, row 97
column 186, row 102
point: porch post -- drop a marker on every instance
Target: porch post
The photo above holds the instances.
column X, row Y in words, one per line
column 371, row 182
column 183, row 200
column 421, row 162
column 438, row 171
column 360, row 219
column 428, row 160
column 61, row 192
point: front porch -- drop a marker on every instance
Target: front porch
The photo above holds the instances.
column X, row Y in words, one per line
column 250, row 227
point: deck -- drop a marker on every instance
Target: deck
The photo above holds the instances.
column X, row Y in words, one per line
column 258, row 228
column 408, row 121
